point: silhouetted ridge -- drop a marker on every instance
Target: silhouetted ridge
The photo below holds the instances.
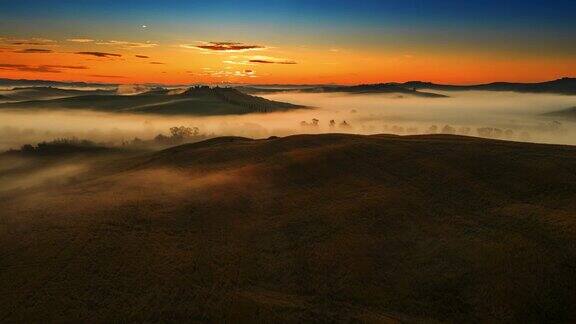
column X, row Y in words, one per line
column 560, row 86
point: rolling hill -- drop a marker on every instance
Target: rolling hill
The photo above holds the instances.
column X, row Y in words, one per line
column 380, row 88
column 306, row 228
column 5, row 82
column 569, row 113
column 565, row 86
column 194, row 101
column 43, row 93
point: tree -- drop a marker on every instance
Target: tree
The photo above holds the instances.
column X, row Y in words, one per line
column 447, row 129
column 162, row 139
column 27, row 148
column 183, row 132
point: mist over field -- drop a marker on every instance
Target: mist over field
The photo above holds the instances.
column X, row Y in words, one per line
column 463, row 111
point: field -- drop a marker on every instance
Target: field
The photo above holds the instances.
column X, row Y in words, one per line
column 305, row 228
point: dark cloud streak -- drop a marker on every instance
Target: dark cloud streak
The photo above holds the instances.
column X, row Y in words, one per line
column 41, row 68
column 34, row 51
column 272, row 62
column 107, row 76
column 99, row 54
column 228, row 46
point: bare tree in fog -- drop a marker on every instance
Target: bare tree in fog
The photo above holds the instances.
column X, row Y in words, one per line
column 464, row 130
column 344, row 124
column 447, row 129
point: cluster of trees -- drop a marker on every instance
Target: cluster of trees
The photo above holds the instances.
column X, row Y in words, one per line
column 316, row 123
column 177, row 135
column 61, row 145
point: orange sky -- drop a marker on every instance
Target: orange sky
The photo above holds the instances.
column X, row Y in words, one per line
column 202, row 62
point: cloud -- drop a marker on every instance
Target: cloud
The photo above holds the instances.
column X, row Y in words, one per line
column 229, row 74
column 270, row 60
column 31, row 41
column 225, row 47
column 80, row 40
column 98, row 54
column 34, row 50
column 41, row 68
column 157, row 63
column 237, row 62
column 128, row 44
column 106, row 76
column 142, row 56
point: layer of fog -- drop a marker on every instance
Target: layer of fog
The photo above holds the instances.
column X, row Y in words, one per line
column 519, row 114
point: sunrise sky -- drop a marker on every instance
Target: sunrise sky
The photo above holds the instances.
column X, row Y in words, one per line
column 288, row 42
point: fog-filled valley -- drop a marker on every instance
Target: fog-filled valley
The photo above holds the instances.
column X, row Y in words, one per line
column 491, row 114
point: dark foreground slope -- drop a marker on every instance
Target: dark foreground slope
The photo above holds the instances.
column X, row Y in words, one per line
column 316, row 228
column 195, row 101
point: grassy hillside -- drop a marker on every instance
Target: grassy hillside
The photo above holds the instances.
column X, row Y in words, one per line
column 195, row 101
column 307, row 228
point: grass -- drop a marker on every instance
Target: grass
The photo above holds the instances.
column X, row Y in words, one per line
column 307, row 228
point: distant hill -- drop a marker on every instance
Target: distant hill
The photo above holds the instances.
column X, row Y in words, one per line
column 569, row 113
column 387, row 88
column 48, row 83
column 43, row 93
column 565, row 86
column 303, row 229
column 377, row 88
column 194, row 101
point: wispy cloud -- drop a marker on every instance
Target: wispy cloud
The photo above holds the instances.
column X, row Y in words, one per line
column 99, row 54
column 225, row 47
column 270, row 60
column 142, row 56
column 106, row 76
column 34, row 51
column 158, row 63
column 41, row 68
column 128, row 44
column 227, row 74
column 237, row 62
column 31, row 41
column 258, row 59
column 80, row 40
